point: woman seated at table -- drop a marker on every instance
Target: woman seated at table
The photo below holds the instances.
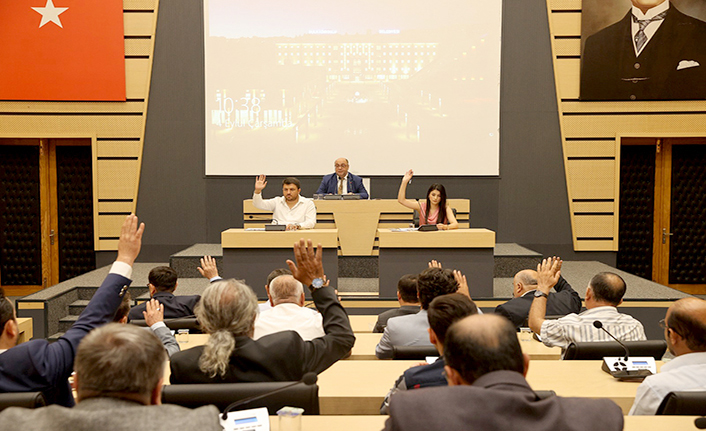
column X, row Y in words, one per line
column 430, row 212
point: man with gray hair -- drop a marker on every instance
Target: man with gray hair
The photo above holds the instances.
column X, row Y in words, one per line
column 227, row 312
column 288, row 313
column 119, row 377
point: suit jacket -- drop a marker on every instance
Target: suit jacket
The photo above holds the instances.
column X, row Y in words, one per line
column 564, row 301
column 395, row 312
column 410, row 330
column 174, row 306
column 111, row 414
column 37, row 365
column 610, row 70
column 499, row 400
column 330, row 185
column 282, row 356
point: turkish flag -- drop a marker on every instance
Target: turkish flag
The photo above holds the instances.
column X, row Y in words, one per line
column 62, row 50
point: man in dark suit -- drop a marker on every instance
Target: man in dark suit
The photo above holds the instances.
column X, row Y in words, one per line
column 227, row 312
column 37, row 365
column 407, row 297
column 162, row 284
column 342, row 182
column 564, row 300
column 485, row 369
column 654, row 53
column 119, row 376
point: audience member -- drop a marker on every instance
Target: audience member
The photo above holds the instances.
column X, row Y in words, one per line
column 288, row 313
column 411, row 330
column 563, row 300
column 685, row 332
column 604, row 293
column 485, row 368
column 119, row 376
column 443, row 311
column 227, row 312
column 342, row 182
column 407, row 297
column 154, row 318
column 162, row 284
column 292, row 209
column 38, row 365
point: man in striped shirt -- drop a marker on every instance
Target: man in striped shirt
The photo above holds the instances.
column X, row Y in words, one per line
column 604, row 293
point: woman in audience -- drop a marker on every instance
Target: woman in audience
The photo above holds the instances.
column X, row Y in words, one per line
column 435, row 210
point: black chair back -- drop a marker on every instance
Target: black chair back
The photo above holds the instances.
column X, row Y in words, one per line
column 413, row 352
column 29, row 400
column 223, row 394
column 689, row 403
column 189, row 323
column 595, row 350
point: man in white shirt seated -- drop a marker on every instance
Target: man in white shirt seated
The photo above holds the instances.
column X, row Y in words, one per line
column 291, row 209
column 604, row 293
column 685, row 332
column 288, row 312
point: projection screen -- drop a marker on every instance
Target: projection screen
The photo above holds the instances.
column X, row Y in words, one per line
column 390, row 84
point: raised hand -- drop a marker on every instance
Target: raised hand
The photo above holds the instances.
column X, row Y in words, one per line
column 548, row 273
column 154, row 312
column 309, row 264
column 462, row 283
column 260, row 183
column 408, row 176
column 434, row 264
column 130, row 240
column 208, row 268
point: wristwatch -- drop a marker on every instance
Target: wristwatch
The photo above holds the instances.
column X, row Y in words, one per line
column 539, row 294
column 316, row 284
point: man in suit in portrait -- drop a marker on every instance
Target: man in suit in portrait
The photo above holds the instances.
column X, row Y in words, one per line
column 38, row 365
column 162, row 284
column 654, row 53
column 486, row 370
column 342, row 182
column 119, row 377
column 562, row 301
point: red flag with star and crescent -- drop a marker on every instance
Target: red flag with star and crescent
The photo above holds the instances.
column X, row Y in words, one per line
column 62, row 50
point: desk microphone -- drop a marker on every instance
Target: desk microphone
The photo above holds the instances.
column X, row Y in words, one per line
column 598, row 324
column 700, row 423
column 307, row 379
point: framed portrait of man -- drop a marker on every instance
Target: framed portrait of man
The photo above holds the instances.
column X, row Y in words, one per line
column 643, row 50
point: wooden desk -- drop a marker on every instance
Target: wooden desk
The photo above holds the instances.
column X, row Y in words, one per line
column 357, row 220
column 377, row 422
column 24, row 324
column 363, row 323
column 252, row 255
column 468, row 250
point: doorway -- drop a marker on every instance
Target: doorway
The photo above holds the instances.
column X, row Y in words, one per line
column 46, row 212
column 663, row 211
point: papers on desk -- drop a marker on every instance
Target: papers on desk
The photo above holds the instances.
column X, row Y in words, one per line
column 403, row 229
column 255, row 229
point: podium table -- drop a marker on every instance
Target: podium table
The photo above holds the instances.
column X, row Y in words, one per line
column 409, row 252
column 252, row 255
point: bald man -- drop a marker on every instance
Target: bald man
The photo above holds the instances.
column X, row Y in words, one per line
column 486, row 370
column 564, row 300
column 685, row 332
column 342, row 182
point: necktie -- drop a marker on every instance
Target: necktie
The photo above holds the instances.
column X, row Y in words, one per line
column 340, row 186
column 640, row 36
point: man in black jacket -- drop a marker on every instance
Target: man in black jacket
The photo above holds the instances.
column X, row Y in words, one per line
column 162, row 284
column 564, row 300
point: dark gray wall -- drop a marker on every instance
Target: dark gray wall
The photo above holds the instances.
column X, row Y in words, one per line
column 527, row 204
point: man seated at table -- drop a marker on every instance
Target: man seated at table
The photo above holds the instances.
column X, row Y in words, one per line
column 154, row 319
column 562, row 301
column 685, row 332
column 411, row 330
column 162, row 285
column 288, row 312
column 292, row 209
column 486, row 370
column 342, row 182
column 443, row 311
column 406, row 296
column 119, row 376
column 38, row 365
column 604, row 293
column 227, row 312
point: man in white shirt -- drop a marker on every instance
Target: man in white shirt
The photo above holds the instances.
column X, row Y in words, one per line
column 288, row 312
column 604, row 293
column 291, row 209
column 685, row 332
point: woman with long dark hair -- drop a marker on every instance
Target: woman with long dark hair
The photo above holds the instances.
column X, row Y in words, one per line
column 435, row 210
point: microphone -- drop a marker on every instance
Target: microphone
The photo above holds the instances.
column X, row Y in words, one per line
column 700, row 423
column 308, row 379
column 598, row 324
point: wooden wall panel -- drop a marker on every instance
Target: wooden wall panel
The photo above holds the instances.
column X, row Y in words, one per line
column 566, row 24
column 592, row 179
column 117, row 179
